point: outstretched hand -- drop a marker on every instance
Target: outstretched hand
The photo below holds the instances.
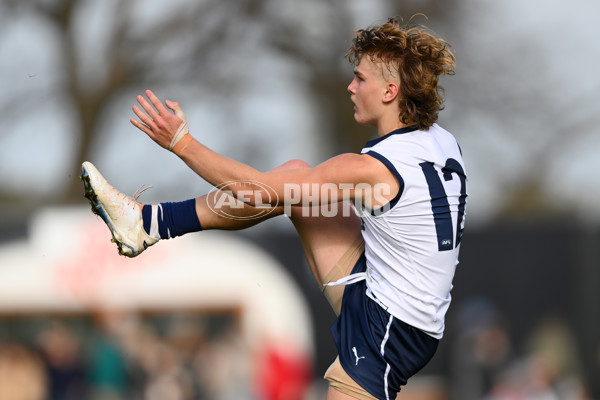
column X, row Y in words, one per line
column 163, row 126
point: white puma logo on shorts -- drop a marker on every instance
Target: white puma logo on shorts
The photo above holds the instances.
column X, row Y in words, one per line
column 356, row 355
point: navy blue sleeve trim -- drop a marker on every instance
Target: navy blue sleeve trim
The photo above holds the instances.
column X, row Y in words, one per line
column 394, row 171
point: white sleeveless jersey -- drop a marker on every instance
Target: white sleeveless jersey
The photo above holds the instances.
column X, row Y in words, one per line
column 412, row 243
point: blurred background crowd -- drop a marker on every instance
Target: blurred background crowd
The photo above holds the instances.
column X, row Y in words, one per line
column 186, row 356
column 270, row 77
column 112, row 356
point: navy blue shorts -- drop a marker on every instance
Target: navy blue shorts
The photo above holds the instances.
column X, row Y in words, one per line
column 377, row 350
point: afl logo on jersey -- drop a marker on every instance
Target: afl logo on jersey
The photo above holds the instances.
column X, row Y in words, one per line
column 446, row 243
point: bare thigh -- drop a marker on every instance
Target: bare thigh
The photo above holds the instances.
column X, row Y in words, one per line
column 333, row 394
column 325, row 239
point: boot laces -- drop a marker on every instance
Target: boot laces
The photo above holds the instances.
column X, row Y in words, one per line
column 137, row 194
column 141, row 190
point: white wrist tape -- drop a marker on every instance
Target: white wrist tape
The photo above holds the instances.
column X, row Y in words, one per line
column 181, row 131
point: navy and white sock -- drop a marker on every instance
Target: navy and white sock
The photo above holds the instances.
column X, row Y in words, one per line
column 169, row 220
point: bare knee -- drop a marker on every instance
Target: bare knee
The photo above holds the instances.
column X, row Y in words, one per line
column 292, row 164
column 296, row 164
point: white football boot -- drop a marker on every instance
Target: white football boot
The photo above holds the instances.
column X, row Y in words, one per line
column 121, row 213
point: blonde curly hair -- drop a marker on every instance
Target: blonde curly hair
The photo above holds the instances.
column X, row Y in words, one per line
column 417, row 58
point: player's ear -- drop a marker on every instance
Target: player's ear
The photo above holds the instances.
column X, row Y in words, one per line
column 391, row 92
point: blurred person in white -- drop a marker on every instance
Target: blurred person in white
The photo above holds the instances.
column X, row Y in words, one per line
column 549, row 370
column 22, row 374
column 408, row 186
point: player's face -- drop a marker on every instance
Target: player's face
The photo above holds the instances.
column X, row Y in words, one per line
column 366, row 91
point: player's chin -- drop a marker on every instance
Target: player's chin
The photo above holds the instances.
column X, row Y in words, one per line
column 360, row 120
column 357, row 117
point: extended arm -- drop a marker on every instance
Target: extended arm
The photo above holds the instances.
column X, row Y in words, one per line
column 347, row 176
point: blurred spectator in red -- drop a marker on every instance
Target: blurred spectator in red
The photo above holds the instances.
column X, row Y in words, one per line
column 283, row 373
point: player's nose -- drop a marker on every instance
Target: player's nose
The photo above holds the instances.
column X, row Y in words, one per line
column 352, row 87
